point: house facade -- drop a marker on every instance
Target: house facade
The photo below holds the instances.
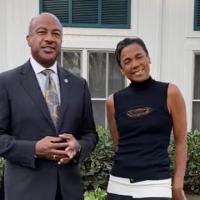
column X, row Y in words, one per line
column 92, row 28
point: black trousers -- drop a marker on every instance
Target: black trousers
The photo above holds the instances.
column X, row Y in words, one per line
column 121, row 197
column 58, row 192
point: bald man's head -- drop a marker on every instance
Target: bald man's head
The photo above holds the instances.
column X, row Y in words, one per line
column 45, row 38
column 50, row 15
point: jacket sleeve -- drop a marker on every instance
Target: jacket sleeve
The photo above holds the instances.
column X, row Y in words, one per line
column 89, row 137
column 20, row 152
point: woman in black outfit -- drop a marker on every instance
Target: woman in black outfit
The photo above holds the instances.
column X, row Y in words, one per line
column 141, row 118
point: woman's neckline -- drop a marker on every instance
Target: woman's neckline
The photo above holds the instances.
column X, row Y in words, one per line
column 142, row 84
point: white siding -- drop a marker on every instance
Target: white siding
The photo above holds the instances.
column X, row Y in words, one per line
column 165, row 25
column 14, row 17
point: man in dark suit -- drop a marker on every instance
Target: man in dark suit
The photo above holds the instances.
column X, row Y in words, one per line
column 46, row 121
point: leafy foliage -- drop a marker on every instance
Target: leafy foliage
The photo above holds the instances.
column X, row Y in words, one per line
column 192, row 178
column 95, row 170
column 192, row 175
column 97, row 194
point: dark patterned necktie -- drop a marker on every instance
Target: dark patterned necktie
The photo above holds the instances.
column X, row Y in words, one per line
column 51, row 96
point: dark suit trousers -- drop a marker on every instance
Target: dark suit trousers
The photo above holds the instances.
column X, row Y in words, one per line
column 58, row 192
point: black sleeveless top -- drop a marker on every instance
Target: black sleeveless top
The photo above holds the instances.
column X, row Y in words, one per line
column 144, row 125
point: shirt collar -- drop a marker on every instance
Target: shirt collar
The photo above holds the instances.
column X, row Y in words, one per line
column 38, row 68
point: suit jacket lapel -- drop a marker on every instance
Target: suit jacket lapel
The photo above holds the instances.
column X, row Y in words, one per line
column 64, row 91
column 31, row 86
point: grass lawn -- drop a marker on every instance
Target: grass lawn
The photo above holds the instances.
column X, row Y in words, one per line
column 193, row 197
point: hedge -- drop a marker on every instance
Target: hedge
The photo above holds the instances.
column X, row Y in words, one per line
column 192, row 175
column 192, row 178
column 95, row 170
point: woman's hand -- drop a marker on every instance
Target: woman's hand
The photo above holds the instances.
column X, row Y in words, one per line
column 178, row 194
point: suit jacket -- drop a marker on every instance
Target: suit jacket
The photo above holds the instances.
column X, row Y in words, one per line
column 25, row 119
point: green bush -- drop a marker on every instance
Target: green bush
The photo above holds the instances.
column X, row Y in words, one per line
column 192, row 178
column 192, row 174
column 95, row 170
column 97, row 194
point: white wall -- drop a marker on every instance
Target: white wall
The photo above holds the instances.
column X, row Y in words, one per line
column 192, row 47
column 166, row 26
column 3, row 33
column 145, row 22
column 17, row 14
column 14, row 17
column 178, row 47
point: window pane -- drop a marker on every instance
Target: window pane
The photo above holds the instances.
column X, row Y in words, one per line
column 71, row 61
column 196, row 116
column 85, row 11
column 99, row 112
column 97, row 74
column 197, row 77
column 115, row 79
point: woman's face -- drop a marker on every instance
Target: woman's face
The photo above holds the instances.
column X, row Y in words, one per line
column 134, row 63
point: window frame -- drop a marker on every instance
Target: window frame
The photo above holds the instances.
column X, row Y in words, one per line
column 194, row 100
column 106, row 51
column 72, row 50
column 84, row 63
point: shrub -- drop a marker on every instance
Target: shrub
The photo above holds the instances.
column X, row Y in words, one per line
column 95, row 170
column 192, row 177
column 192, row 174
column 97, row 194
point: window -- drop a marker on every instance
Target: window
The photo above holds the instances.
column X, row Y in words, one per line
column 71, row 60
column 197, row 15
column 196, row 95
column 104, row 77
column 90, row 13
